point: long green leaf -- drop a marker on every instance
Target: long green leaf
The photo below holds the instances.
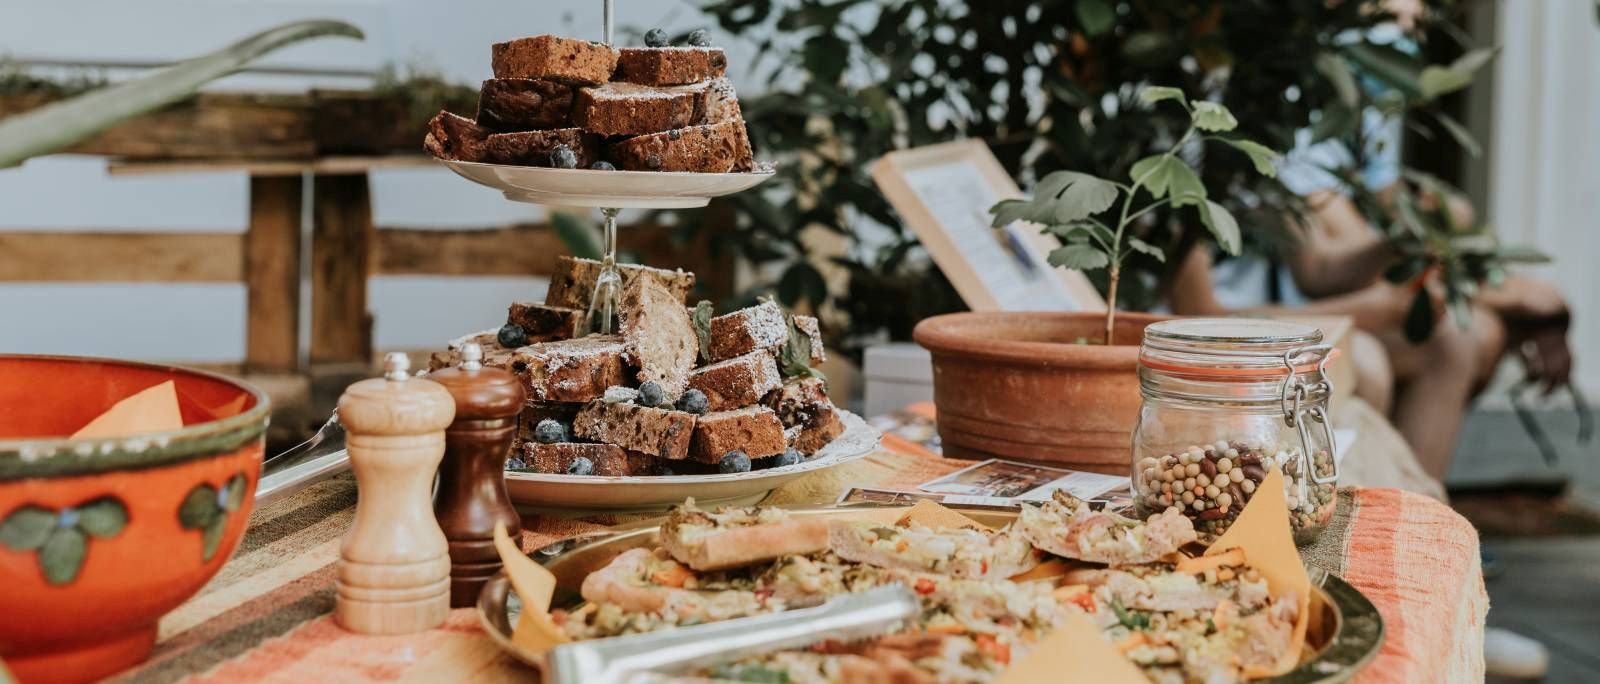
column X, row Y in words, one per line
column 59, row 125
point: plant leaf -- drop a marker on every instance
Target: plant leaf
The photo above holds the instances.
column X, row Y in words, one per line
column 1260, row 155
column 1079, row 257
column 1436, row 80
column 103, row 517
column 1212, row 116
column 1154, row 94
column 1007, row 211
column 1333, row 121
column 1420, row 318
column 1337, row 71
column 1084, row 197
column 1147, row 248
column 27, row 528
column 702, row 326
column 1387, row 64
column 802, row 282
column 1153, row 173
column 580, row 238
column 1474, row 60
column 1462, row 136
column 61, row 556
column 235, row 497
column 62, row 124
column 211, row 537
column 1404, row 270
column 1522, row 254
column 1184, row 186
column 795, row 357
column 1222, row 226
column 199, row 507
column 1096, row 16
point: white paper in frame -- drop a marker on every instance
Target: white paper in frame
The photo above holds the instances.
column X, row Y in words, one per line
column 943, row 192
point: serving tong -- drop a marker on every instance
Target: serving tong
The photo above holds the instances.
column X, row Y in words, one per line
column 633, row 658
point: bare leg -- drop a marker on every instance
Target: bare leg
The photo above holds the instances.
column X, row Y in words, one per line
column 1436, row 380
column 1374, row 376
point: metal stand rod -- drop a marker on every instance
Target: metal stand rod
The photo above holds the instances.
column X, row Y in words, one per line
column 608, row 284
column 606, row 36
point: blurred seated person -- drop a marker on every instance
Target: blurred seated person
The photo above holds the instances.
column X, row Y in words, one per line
column 1336, row 268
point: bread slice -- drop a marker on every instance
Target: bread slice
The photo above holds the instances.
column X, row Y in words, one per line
column 535, row 411
column 545, row 323
column 533, row 148
column 494, row 355
column 712, row 148
column 957, row 552
column 659, row 336
column 633, row 109
column 571, row 370
column 567, row 60
column 523, row 104
column 737, row 382
column 608, row 459
column 820, row 431
column 670, row 65
column 454, row 137
column 760, row 327
column 755, row 430
column 735, row 537
column 659, row 432
column 572, row 282
column 1066, row 527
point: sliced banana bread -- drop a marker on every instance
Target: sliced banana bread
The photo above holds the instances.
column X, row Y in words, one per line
column 755, row 430
column 810, row 419
column 633, row 109
column 572, row 283
column 533, row 148
column 571, row 370
column 658, row 334
column 737, row 382
column 455, row 137
column 659, row 432
column 521, row 104
column 545, row 323
column 760, row 327
column 494, row 355
column 535, row 411
column 608, row 459
column 567, row 60
column 670, row 65
column 712, row 148
column 813, row 436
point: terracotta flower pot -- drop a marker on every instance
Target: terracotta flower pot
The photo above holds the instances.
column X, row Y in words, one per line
column 1018, row 386
column 100, row 537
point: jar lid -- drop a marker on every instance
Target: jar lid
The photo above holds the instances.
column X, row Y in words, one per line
column 1229, row 346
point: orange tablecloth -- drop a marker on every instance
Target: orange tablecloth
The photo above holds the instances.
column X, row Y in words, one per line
column 266, row 617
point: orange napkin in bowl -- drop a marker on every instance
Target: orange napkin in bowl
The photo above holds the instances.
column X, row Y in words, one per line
column 1262, row 531
column 153, row 409
column 1075, row 652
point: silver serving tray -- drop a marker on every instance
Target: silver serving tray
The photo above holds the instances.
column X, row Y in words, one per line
column 1345, row 639
column 607, row 189
column 548, row 492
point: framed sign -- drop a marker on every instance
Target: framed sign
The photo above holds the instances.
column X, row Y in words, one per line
column 943, row 192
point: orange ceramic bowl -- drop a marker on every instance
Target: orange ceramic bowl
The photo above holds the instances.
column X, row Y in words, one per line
column 101, row 537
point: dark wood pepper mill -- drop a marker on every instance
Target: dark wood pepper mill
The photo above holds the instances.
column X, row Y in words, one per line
column 472, row 487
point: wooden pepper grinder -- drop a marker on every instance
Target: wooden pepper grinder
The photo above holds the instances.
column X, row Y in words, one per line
column 394, row 567
column 472, row 485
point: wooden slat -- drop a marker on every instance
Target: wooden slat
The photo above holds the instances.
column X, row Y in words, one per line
column 121, row 257
column 340, row 264
column 273, row 167
column 272, row 275
column 519, row 250
column 211, row 125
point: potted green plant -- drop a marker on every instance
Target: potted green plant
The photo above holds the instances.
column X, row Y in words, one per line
column 1061, row 387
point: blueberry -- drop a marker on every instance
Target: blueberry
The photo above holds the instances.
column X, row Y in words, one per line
column 653, row 161
column 562, row 157
column 580, row 466
column 549, row 431
column 700, row 38
column 674, row 134
column 655, row 38
column 734, row 462
column 515, row 462
column 602, row 165
column 651, row 394
column 511, row 336
column 694, row 401
column 789, row 457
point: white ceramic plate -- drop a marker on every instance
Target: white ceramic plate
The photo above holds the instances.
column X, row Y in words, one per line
column 615, row 189
column 590, row 493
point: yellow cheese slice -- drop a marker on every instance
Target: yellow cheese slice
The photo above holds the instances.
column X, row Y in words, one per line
column 153, row 409
column 1262, row 532
column 534, row 632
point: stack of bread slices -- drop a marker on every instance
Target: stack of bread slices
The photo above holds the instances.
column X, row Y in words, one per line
column 569, row 103
column 666, row 395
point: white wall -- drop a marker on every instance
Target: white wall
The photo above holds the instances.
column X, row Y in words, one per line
column 201, row 322
column 1544, row 154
